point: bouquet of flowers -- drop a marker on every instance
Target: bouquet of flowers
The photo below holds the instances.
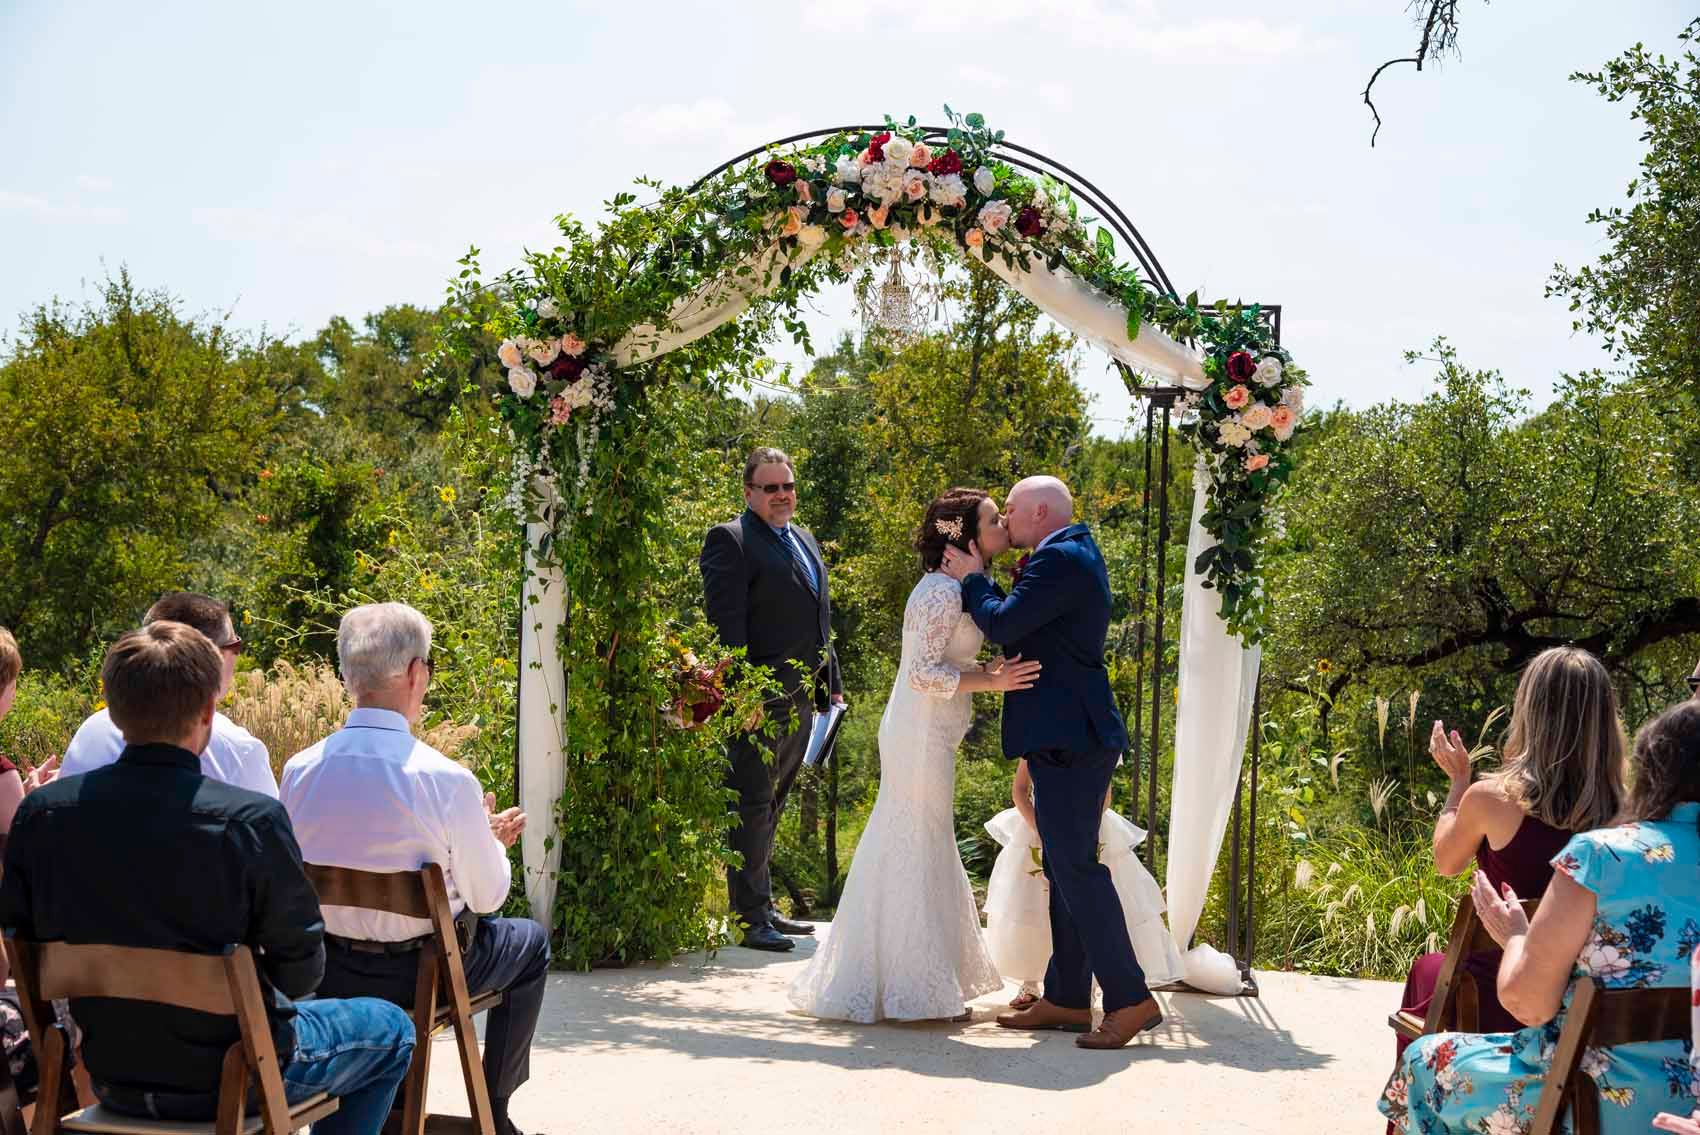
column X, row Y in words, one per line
column 701, row 691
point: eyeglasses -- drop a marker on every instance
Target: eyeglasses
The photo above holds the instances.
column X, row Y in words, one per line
column 1693, row 684
column 430, row 667
column 234, row 646
column 776, row 487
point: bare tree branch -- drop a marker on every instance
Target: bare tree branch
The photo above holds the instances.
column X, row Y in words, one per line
column 1439, row 21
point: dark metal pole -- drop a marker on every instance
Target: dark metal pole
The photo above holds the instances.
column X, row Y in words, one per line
column 1138, row 734
column 1156, row 749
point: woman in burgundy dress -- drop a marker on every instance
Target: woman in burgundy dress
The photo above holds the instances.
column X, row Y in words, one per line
column 1561, row 773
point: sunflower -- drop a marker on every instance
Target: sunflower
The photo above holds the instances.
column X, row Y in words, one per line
column 1323, row 666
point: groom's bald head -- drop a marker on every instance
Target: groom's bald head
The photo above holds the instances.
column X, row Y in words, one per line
column 1037, row 507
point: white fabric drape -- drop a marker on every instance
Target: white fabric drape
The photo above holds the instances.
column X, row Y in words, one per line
column 1218, row 678
column 542, row 772
column 717, row 303
column 1102, row 321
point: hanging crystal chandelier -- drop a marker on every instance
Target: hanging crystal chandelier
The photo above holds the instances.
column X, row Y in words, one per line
column 896, row 307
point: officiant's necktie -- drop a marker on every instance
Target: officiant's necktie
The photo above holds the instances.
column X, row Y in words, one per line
column 802, row 557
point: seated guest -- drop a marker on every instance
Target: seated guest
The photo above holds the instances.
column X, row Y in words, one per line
column 102, row 858
column 1687, row 1124
column 233, row 755
column 372, row 797
column 1621, row 908
column 1561, row 773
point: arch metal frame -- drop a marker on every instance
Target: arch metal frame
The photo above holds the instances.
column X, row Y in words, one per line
column 1145, row 731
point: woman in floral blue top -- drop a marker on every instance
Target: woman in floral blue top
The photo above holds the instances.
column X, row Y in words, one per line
column 1623, row 908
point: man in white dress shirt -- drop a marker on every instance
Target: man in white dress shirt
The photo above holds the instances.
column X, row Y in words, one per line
column 372, row 797
column 233, row 755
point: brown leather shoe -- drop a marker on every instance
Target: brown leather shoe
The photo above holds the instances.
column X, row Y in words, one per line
column 1044, row 1015
column 1117, row 1028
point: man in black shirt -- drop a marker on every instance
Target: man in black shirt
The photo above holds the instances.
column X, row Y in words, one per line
column 148, row 852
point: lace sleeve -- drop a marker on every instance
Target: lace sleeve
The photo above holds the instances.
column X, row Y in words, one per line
column 935, row 615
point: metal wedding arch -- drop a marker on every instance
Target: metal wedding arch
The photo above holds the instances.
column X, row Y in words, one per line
column 1145, row 715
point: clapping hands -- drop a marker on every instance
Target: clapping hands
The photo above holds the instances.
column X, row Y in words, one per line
column 1450, row 753
column 41, row 774
column 505, row 826
column 1502, row 914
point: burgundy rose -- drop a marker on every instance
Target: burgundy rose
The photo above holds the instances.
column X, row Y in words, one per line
column 1241, row 366
column 567, row 367
column 876, row 147
column 945, row 164
column 781, row 173
column 1029, row 223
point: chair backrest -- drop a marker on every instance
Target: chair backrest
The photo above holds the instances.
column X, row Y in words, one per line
column 224, row 984
column 1602, row 1018
column 1456, row 1003
column 392, row 892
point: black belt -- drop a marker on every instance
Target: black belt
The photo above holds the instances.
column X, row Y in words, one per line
column 391, row 949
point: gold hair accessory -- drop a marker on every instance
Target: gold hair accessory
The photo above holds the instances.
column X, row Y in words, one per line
column 950, row 528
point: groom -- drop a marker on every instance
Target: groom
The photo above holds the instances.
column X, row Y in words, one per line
column 1068, row 729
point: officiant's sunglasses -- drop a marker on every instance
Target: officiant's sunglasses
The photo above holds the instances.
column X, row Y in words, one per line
column 777, row 486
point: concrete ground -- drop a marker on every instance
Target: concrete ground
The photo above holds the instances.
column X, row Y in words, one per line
column 712, row 1045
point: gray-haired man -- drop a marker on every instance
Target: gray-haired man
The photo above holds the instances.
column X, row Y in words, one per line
column 372, row 797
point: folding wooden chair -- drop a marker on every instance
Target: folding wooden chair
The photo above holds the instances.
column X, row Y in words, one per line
column 440, row 998
column 224, row 984
column 1456, row 1004
column 1602, row 1018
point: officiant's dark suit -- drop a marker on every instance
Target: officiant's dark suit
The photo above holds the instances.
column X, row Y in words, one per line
column 765, row 588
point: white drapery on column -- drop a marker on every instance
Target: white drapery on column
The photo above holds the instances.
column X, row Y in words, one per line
column 1217, row 681
column 542, row 772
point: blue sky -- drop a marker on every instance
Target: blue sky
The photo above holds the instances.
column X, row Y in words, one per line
column 286, row 163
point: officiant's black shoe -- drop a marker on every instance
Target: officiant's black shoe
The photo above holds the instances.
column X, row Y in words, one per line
column 765, row 937
column 786, row 926
column 1121, row 1026
column 1044, row 1015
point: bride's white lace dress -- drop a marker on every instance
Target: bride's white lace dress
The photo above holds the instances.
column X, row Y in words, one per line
column 906, row 943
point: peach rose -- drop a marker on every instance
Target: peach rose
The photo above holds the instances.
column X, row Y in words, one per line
column 878, row 214
column 510, row 354
column 1257, row 417
column 571, row 345
column 914, row 185
column 793, row 222
column 1281, row 418
column 1256, row 461
column 1236, row 397
column 920, row 156
column 973, row 238
column 805, row 194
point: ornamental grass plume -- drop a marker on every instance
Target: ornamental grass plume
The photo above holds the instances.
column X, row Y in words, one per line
column 291, row 708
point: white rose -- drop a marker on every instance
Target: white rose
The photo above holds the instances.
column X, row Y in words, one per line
column 994, row 215
column 811, row 236
column 948, row 190
column 849, row 170
column 985, row 180
column 1256, row 417
column 1268, row 372
column 814, row 163
column 898, row 150
column 544, row 351
column 835, row 200
column 1293, row 398
column 510, row 354
column 522, row 381
column 1232, row 433
column 546, row 308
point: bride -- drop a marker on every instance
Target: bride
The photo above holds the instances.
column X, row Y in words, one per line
column 906, row 942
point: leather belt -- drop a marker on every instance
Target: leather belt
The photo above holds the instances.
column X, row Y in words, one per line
column 364, row 946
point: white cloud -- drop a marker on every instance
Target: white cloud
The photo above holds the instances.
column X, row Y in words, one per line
column 1055, row 95
column 711, row 121
column 90, row 183
column 969, row 73
column 46, row 209
column 1107, row 25
column 318, row 232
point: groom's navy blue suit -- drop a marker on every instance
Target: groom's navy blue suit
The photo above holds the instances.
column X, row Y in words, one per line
column 1067, row 727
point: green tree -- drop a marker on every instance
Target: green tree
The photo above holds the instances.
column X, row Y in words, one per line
column 1643, row 295
column 1463, row 534
column 126, row 425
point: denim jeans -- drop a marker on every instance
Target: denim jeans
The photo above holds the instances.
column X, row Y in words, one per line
column 356, row 1049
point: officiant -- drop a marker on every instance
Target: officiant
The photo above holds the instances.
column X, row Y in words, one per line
column 765, row 588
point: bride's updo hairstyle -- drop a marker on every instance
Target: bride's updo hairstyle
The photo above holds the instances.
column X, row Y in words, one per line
column 953, row 518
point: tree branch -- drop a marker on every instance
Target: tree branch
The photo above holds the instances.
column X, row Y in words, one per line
column 1440, row 35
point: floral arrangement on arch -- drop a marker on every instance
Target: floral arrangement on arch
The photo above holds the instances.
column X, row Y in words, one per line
column 823, row 205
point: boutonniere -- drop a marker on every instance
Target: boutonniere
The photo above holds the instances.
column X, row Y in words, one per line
column 1020, row 567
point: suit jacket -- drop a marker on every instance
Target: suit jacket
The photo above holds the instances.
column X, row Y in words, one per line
column 1057, row 615
column 757, row 597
